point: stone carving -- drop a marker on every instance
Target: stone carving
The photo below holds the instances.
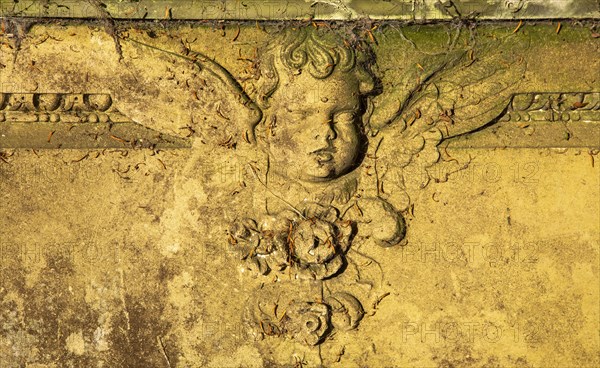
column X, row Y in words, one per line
column 565, row 107
column 73, row 120
column 317, row 220
column 320, row 135
column 311, row 245
column 542, row 120
column 313, row 122
column 346, row 311
column 297, row 317
column 316, row 224
column 59, row 107
column 307, row 322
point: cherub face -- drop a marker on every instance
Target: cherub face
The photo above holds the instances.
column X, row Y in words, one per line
column 314, row 127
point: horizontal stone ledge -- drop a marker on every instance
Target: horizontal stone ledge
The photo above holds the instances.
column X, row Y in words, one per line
column 416, row 10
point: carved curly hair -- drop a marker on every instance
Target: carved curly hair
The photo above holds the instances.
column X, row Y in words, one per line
column 318, row 51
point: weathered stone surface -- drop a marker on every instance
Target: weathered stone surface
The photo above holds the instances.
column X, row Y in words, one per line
column 336, row 194
column 414, row 10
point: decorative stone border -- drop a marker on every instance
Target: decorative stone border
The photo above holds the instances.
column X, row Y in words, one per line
column 412, row 10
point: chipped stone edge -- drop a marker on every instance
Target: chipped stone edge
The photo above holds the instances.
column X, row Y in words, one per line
column 408, row 10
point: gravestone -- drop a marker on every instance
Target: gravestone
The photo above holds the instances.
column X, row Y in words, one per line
column 328, row 183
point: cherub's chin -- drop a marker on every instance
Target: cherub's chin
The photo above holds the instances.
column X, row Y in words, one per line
column 321, row 172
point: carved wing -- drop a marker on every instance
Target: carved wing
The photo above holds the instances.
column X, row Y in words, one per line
column 464, row 92
column 216, row 109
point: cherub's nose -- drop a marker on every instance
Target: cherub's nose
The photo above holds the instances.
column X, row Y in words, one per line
column 325, row 131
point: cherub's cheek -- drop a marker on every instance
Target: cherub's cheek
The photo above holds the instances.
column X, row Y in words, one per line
column 294, row 137
column 284, row 143
column 348, row 135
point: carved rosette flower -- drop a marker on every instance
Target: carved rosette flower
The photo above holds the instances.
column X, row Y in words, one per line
column 317, row 248
column 299, row 317
column 264, row 249
column 312, row 244
column 307, row 322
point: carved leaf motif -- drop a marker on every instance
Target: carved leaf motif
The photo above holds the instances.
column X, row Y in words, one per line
column 346, row 311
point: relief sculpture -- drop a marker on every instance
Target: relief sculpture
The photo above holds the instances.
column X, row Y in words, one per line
column 335, row 141
column 324, row 132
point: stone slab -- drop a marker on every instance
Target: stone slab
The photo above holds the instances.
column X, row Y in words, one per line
column 195, row 194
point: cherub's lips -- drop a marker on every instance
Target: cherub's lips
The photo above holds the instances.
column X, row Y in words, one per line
column 324, row 155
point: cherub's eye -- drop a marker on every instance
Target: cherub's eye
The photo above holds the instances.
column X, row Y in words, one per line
column 295, row 114
column 344, row 117
column 298, row 114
